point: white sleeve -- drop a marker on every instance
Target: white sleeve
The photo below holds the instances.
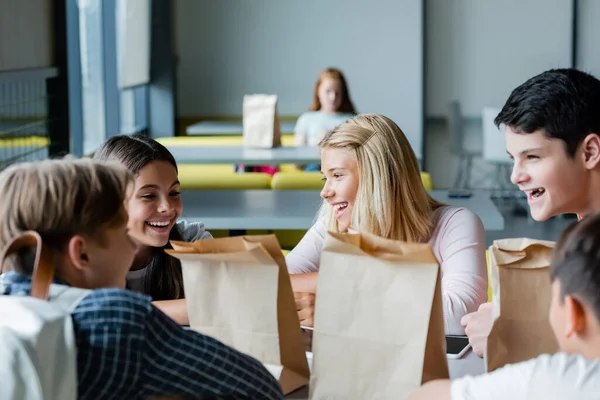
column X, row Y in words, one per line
column 300, row 128
column 461, row 241
column 548, row 377
column 510, row 382
column 192, row 231
column 306, row 256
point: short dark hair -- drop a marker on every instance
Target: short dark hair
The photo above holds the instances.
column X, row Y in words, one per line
column 565, row 103
column 576, row 262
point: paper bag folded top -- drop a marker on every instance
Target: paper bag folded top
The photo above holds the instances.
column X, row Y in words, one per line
column 379, row 329
column 521, row 294
column 238, row 291
column 260, row 121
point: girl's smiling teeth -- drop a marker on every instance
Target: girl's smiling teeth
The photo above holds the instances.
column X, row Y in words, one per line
column 158, row 224
column 340, row 208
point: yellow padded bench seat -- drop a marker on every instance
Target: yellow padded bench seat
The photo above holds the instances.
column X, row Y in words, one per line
column 297, row 181
column 288, row 168
column 25, row 141
column 288, row 239
column 426, row 179
column 220, row 177
column 190, row 141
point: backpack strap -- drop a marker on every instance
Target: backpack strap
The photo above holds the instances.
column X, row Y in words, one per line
column 67, row 297
column 43, row 266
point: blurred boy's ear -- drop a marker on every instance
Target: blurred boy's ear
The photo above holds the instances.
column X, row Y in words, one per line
column 78, row 252
column 575, row 316
column 591, row 150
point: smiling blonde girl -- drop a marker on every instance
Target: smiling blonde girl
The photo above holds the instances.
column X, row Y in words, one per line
column 373, row 184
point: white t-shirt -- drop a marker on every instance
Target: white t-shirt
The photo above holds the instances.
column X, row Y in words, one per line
column 314, row 125
column 189, row 231
column 547, row 377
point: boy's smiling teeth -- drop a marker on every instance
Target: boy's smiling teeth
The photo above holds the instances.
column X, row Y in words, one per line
column 535, row 193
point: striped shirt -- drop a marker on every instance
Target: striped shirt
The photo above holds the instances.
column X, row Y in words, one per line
column 128, row 349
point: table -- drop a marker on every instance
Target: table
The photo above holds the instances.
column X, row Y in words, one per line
column 295, row 209
column 245, row 155
column 222, row 128
column 471, row 364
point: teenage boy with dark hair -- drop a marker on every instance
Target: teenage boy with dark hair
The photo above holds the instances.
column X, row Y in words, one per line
column 552, row 128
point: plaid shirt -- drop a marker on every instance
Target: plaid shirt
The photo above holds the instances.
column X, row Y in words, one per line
column 128, row 349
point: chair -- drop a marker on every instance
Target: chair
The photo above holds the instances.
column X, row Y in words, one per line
column 465, row 157
column 494, row 152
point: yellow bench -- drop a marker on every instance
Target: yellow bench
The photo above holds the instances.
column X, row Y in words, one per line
column 24, row 141
column 220, row 177
column 226, row 140
column 426, row 179
column 297, row 180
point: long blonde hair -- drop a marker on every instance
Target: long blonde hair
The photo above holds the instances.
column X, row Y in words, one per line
column 391, row 201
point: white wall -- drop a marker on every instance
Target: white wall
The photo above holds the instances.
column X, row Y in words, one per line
column 479, row 50
column 25, row 42
column 228, row 48
column 133, row 42
column 25, row 34
column 589, row 37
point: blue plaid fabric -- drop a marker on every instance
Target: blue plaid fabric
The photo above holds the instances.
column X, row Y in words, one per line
column 128, row 349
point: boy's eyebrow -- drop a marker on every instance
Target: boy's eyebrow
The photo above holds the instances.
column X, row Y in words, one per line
column 526, row 151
